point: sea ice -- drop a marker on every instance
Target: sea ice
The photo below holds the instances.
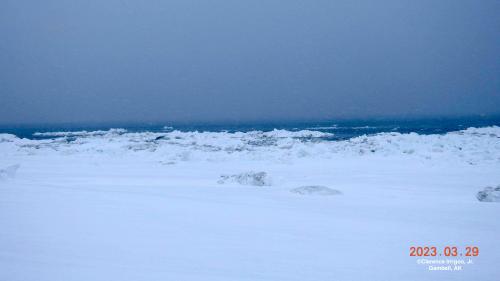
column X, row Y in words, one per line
column 103, row 207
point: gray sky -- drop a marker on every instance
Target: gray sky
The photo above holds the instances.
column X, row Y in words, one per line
column 107, row 61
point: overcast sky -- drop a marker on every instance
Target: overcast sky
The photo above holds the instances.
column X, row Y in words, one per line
column 144, row 61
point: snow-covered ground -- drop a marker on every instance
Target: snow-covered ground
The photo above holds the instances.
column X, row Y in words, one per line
column 112, row 205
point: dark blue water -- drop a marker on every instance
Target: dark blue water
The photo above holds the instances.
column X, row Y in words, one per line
column 342, row 129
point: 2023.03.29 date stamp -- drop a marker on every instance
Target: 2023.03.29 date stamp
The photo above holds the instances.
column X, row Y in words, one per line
column 448, row 258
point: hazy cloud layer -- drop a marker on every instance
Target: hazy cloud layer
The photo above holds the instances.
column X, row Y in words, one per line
column 77, row 61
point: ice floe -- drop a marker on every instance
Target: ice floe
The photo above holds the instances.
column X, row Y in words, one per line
column 80, row 133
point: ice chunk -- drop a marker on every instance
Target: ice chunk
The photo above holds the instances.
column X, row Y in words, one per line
column 9, row 171
column 489, row 194
column 248, row 178
column 315, row 190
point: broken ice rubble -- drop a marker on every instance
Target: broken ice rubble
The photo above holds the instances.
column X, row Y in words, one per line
column 489, row 194
column 247, row 178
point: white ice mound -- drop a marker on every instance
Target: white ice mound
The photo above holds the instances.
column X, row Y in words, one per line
column 9, row 171
column 247, row 178
column 315, row 190
column 489, row 194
